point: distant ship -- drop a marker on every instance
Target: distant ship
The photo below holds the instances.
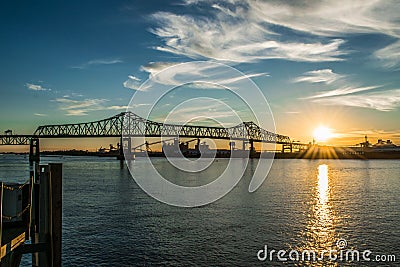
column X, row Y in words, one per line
column 384, row 146
column 365, row 150
column 381, row 150
column 111, row 152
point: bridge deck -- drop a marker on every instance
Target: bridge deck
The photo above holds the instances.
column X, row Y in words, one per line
column 128, row 124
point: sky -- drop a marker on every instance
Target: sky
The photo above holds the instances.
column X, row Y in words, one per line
column 331, row 63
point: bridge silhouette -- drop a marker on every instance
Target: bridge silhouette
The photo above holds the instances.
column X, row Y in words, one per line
column 131, row 125
column 128, row 124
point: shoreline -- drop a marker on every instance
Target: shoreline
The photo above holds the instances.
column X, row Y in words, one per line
column 278, row 155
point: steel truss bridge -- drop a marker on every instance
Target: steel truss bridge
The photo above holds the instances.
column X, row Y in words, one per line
column 128, row 124
column 15, row 139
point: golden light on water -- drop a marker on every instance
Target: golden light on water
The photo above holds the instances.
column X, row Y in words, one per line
column 320, row 230
column 323, row 183
column 323, row 208
column 323, row 217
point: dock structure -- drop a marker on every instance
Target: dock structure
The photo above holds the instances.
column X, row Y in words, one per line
column 32, row 212
column 15, row 208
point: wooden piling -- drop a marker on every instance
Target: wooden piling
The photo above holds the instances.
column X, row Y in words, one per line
column 1, row 220
column 56, row 212
column 44, row 257
column 50, row 215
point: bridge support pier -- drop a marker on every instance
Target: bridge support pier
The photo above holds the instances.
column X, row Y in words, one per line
column 121, row 147
column 126, row 143
column 252, row 150
column 34, row 158
column 287, row 147
column 198, row 146
column 121, row 156
column 251, row 145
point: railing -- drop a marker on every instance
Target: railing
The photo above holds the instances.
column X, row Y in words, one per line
column 15, row 208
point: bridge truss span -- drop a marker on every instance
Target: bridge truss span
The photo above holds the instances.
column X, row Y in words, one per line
column 136, row 126
column 110, row 127
column 15, row 139
column 128, row 124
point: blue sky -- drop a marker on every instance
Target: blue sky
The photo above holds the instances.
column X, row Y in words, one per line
column 334, row 63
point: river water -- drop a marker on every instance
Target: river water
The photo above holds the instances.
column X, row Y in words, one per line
column 302, row 205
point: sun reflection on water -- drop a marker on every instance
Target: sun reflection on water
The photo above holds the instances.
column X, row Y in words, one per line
column 320, row 232
column 323, row 213
column 323, row 183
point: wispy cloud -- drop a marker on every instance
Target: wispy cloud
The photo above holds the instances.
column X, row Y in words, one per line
column 246, row 30
column 330, row 18
column 343, row 91
column 40, row 114
column 382, row 100
column 389, row 55
column 326, row 76
column 75, row 107
column 171, row 73
column 216, row 76
column 97, row 62
column 79, row 107
column 153, row 68
column 72, row 94
column 133, row 82
column 235, row 39
column 36, row 87
column 115, row 107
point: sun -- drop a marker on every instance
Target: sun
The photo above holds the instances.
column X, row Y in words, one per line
column 322, row 134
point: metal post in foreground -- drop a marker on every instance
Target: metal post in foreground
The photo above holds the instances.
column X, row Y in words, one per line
column 1, row 220
column 56, row 212
column 49, row 221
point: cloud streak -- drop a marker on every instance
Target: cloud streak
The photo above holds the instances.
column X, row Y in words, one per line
column 133, row 82
column 176, row 74
column 326, row 76
column 235, row 40
column 330, row 18
column 383, row 100
column 36, row 87
column 343, row 91
column 74, row 107
column 97, row 62
column 40, row 114
column 347, row 93
column 246, row 31
column 389, row 55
